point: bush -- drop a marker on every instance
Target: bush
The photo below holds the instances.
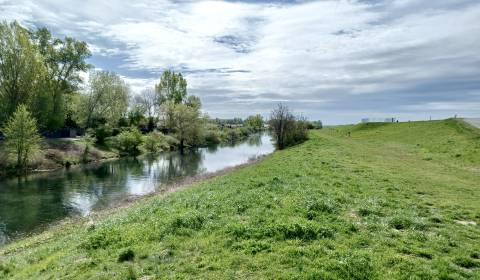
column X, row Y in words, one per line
column 155, row 142
column 316, row 125
column 128, row 142
column 126, row 255
column 232, row 135
column 101, row 133
column 212, row 137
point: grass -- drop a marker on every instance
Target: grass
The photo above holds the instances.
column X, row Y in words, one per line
column 390, row 201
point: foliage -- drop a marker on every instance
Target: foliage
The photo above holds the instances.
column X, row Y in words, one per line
column 326, row 209
column 212, row 137
column 22, row 138
column 168, row 108
column 63, row 61
column 128, row 142
column 21, row 69
column 255, row 122
column 155, row 142
column 187, row 125
column 39, row 71
column 101, row 132
column 287, row 129
column 315, row 125
column 172, row 87
column 106, row 99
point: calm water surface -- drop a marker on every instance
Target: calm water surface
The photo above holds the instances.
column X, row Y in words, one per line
column 28, row 204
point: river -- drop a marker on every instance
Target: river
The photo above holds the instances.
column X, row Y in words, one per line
column 30, row 203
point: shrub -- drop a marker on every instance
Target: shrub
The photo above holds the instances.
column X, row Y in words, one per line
column 232, row 135
column 155, row 142
column 128, row 142
column 212, row 137
column 126, row 255
column 101, row 133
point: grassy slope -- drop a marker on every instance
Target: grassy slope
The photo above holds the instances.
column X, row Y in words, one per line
column 384, row 203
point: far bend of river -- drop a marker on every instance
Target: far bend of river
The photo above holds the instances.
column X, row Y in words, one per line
column 30, row 203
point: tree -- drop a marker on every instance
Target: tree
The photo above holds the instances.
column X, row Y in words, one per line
column 63, row 60
column 37, row 70
column 194, row 102
column 255, row 122
column 287, row 130
column 168, row 113
column 21, row 70
column 22, row 138
column 106, row 100
column 172, row 87
column 187, row 124
column 146, row 101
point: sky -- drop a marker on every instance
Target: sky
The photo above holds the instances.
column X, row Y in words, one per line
column 337, row 61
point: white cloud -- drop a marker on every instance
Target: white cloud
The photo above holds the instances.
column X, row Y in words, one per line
column 388, row 57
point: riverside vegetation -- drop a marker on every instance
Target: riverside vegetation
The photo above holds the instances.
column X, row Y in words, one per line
column 41, row 85
column 369, row 201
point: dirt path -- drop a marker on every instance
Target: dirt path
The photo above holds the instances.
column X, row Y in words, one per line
column 474, row 121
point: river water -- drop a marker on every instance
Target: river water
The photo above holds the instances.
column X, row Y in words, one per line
column 30, row 203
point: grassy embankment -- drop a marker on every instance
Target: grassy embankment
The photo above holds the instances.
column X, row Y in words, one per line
column 393, row 201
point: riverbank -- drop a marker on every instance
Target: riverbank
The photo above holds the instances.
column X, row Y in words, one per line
column 55, row 154
column 372, row 201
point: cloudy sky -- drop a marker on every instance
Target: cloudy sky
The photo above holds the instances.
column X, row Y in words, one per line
column 338, row 61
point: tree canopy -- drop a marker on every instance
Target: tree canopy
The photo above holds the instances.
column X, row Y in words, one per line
column 38, row 70
column 172, row 87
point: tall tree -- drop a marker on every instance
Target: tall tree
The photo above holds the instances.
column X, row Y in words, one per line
column 106, row 99
column 21, row 70
column 21, row 136
column 172, row 87
column 64, row 60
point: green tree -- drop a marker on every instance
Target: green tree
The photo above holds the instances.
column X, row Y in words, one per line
column 287, row 129
column 255, row 122
column 21, row 70
column 187, row 124
column 172, row 87
column 168, row 112
column 106, row 100
column 194, row 102
column 63, row 60
column 22, row 138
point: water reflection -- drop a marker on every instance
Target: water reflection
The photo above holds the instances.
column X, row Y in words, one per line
column 27, row 204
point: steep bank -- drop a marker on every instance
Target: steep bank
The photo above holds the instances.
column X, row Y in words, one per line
column 373, row 201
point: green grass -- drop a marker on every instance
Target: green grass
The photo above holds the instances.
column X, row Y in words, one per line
column 390, row 201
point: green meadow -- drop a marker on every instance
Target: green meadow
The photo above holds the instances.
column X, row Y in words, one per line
column 369, row 201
